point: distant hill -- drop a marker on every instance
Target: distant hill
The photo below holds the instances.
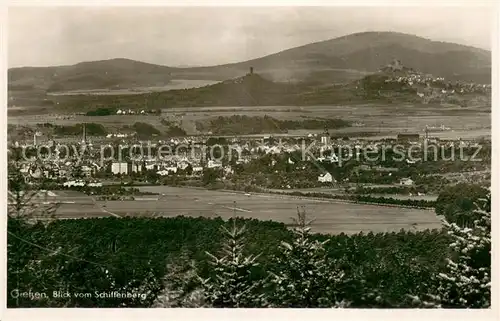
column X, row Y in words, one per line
column 332, row 61
column 390, row 84
column 353, row 56
column 106, row 74
column 248, row 90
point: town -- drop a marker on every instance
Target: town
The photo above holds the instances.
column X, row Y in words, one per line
column 268, row 163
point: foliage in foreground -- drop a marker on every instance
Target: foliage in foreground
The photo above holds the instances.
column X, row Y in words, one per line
column 457, row 203
column 163, row 263
column 466, row 280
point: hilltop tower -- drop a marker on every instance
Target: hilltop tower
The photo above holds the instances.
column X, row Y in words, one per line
column 251, row 70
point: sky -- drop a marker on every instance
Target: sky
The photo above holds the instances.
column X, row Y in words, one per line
column 176, row 36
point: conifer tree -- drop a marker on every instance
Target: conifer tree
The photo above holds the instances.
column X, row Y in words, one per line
column 304, row 276
column 181, row 285
column 232, row 285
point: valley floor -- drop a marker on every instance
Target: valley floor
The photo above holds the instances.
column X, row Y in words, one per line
column 330, row 216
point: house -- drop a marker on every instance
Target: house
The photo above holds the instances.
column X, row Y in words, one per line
column 325, row 178
column 151, row 166
column 197, row 171
column 172, row 169
column 87, row 170
column 406, row 182
column 213, row 164
column 36, row 173
column 162, row 173
column 228, row 171
column 272, row 150
column 136, row 167
column 74, row 183
column 119, row 168
column 183, row 165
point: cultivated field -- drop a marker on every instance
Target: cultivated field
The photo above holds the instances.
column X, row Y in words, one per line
column 174, row 84
column 330, row 216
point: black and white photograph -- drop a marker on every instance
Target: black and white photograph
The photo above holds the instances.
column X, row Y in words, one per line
column 270, row 157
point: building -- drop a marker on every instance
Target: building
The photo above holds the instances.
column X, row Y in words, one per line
column 197, row 171
column 325, row 138
column 214, row 164
column 171, row 169
column 87, row 170
column 74, row 183
column 136, row 167
column 119, row 168
column 325, row 178
column 406, row 182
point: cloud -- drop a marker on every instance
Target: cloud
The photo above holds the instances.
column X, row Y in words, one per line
column 207, row 36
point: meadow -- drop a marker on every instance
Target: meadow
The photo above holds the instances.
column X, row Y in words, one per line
column 330, row 216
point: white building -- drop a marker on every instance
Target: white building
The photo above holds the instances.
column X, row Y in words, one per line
column 74, row 183
column 119, row 168
column 172, row 169
column 136, row 167
column 228, row 171
column 213, row 164
column 87, row 170
column 326, row 178
column 406, row 182
column 197, row 169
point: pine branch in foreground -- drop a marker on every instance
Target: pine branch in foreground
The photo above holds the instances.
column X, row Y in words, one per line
column 305, row 277
column 232, row 285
